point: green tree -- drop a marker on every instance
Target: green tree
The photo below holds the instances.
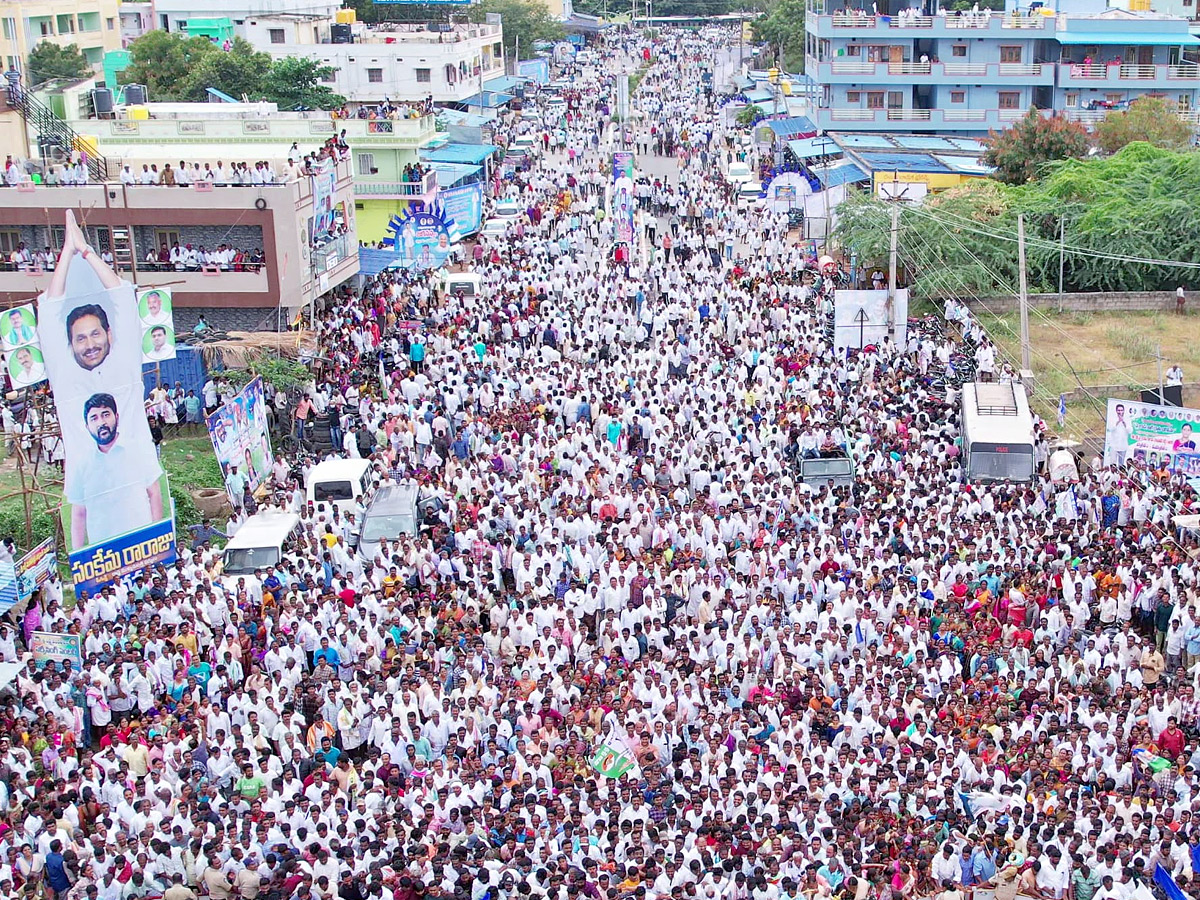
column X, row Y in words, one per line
column 748, row 115
column 1133, row 204
column 296, row 82
column 164, row 62
column 1020, row 153
column 1154, row 120
column 238, row 72
column 47, row 61
column 781, row 28
column 529, row 20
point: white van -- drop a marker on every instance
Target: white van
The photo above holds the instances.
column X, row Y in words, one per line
column 466, row 283
column 339, row 484
column 259, row 542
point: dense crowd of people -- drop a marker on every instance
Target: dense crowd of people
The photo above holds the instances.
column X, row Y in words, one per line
column 629, row 654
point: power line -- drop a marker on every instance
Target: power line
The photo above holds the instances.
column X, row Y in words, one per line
column 1041, row 243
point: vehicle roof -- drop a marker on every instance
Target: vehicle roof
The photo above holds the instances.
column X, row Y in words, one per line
column 334, row 469
column 262, row 529
column 996, row 413
column 392, row 499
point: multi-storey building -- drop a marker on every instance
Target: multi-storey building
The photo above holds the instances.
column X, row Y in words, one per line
column 94, row 26
column 395, row 61
column 133, row 220
column 903, row 70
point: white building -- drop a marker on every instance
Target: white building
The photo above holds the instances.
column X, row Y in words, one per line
column 393, row 61
column 172, row 15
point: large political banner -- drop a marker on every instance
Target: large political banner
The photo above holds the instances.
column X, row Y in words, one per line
column 116, row 507
column 241, row 437
column 1157, row 436
column 464, row 205
column 623, row 203
column 421, row 237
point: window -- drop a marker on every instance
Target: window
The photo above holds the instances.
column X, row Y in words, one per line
column 375, row 76
column 111, row 23
column 1072, row 99
column 1185, row 102
column 959, row 51
column 46, row 29
column 895, row 99
column 958, row 96
column 1010, row 99
column 874, row 99
column 366, row 164
column 168, row 236
column 1010, row 54
column 331, row 76
column 423, row 76
column 497, row 50
column 1114, row 98
column 277, row 35
column 854, row 97
column 854, row 50
column 9, row 240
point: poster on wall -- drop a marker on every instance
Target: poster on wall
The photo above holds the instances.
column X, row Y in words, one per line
column 116, row 507
column 1152, row 435
column 324, row 187
column 241, row 437
column 157, row 319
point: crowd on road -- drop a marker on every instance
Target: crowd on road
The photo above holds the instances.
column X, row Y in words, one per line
column 910, row 688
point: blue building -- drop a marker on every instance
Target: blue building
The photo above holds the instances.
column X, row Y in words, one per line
column 888, row 66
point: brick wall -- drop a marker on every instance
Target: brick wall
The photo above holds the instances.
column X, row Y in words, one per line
column 254, row 318
column 1096, row 302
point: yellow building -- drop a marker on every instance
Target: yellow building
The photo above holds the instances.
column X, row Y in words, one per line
column 94, row 26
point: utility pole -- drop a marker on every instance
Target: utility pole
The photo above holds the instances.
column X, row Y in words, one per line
column 1158, row 356
column 1024, row 298
column 891, row 297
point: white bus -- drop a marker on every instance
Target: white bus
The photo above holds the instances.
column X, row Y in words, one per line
column 997, row 433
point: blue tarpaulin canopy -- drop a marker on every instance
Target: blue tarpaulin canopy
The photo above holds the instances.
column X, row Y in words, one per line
column 847, row 173
column 503, row 83
column 810, row 148
column 792, row 126
column 469, row 154
column 758, row 95
column 490, row 100
column 449, row 174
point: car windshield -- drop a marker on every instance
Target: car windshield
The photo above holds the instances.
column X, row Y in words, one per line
column 376, row 528
column 333, row 490
column 250, row 558
column 826, row 468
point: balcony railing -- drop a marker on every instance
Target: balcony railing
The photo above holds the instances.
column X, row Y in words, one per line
column 381, row 189
column 1090, row 117
column 965, row 68
column 852, row 67
column 935, row 70
column 908, row 115
column 1130, row 72
column 853, row 115
column 964, row 115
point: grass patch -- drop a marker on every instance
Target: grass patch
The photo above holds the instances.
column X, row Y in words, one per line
column 1112, row 352
column 636, row 78
column 189, row 461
